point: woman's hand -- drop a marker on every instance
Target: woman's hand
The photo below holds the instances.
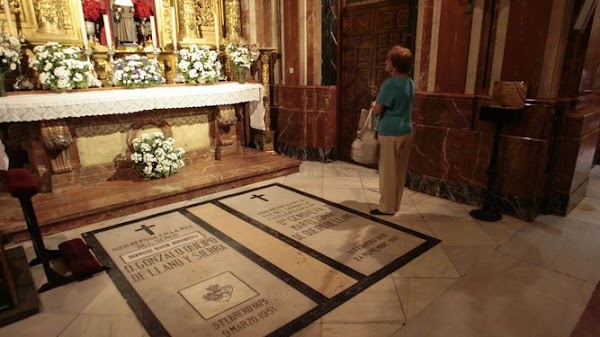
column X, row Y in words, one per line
column 377, row 108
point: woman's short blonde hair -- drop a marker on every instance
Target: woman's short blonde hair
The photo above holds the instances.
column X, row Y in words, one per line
column 401, row 58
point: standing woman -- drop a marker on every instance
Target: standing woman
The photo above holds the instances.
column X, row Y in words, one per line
column 394, row 106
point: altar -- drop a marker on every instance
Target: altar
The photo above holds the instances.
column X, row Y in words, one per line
column 85, row 137
column 78, row 143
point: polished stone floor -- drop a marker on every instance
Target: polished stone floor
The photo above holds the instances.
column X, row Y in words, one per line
column 508, row 278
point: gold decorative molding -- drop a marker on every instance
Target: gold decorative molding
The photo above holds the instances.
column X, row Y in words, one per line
column 50, row 15
column 189, row 17
column 198, row 21
column 233, row 20
column 266, row 65
column 40, row 21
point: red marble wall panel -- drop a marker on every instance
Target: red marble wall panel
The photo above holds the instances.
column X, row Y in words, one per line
column 291, row 127
column 291, row 42
column 312, row 126
column 263, row 22
column 425, row 44
column 313, row 45
column 585, row 159
column 466, row 156
column 262, row 27
column 521, row 165
column 327, row 119
column 426, row 154
column 592, row 59
column 452, row 145
column 575, row 147
column 453, row 47
column 567, row 150
column 306, row 116
column 526, row 42
column 455, row 111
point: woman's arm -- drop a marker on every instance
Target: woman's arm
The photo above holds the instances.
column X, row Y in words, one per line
column 377, row 108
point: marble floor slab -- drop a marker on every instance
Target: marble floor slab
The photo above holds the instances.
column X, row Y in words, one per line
column 258, row 262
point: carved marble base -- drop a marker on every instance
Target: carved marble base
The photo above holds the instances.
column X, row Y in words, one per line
column 56, row 138
column 312, row 154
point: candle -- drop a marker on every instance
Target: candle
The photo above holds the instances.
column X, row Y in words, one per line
column 8, row 17
column 153, row 29
column 174, row 28
column 83, row 32
column 107, row 31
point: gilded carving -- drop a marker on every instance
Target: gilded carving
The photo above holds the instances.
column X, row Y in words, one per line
column 227, row 115
column 168, row 19
column 268, row 141
column 233, row 20
column 56, row 139
column 189, row 15
column 50, row 15
column 206, row 10
column 196, row 21
column 14, row 7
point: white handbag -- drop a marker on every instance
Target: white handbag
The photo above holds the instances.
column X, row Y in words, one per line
column 365, row 147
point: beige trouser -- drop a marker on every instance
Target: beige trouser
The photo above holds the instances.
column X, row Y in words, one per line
column 394, row 153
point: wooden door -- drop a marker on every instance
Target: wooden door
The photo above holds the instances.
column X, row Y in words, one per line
column 367, row 32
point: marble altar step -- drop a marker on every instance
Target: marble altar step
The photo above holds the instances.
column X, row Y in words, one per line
column 81, row 205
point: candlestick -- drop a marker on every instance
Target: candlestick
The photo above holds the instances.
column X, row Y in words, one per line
column 107, row 31
column 8, row 17
column 174, row 28
column 153, row 29
column 109, row 70
column 83, row 31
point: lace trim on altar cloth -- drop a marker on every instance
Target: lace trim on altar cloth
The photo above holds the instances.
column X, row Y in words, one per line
column 38, row 107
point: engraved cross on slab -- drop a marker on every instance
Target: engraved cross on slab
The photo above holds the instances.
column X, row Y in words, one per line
column 146, row 228
column 259, row 196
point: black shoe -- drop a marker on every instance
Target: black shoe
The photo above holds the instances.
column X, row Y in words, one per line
column 378, row 212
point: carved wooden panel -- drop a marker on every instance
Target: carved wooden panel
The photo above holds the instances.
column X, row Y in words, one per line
column 368, row 31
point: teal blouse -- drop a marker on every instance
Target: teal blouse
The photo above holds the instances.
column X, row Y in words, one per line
column 396, row 95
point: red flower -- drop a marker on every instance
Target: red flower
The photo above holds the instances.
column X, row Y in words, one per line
column 92, row 10
column 142, row 9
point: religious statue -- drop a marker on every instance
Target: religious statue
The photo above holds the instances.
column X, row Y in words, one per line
column 124, row 12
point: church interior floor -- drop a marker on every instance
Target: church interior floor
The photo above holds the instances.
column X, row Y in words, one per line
column 75, row 206
column 505, row 278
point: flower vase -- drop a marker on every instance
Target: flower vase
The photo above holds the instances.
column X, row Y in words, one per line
column 90, row 30
column 2, row 84
column 241, row 75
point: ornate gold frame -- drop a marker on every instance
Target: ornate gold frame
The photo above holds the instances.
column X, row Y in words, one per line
column 198, row 22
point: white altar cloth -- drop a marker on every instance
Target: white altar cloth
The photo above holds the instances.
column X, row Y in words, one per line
column 48, row 106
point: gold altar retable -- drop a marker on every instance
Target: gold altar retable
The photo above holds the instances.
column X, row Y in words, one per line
column 51, row 145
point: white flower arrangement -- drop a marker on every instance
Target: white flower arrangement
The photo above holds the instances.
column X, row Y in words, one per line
column 59, row 68
column 135, row 71
column 241, row 54
column 10, row 49
column 155, row 157
column 199, row 65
